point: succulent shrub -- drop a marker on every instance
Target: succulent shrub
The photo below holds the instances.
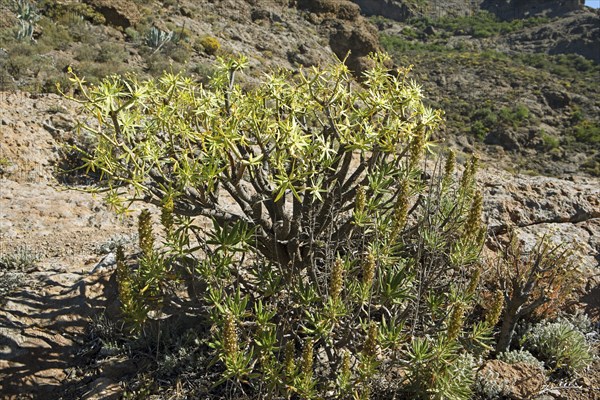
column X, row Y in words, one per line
column 27, row 16
column 520, row 356
column 334, row 254
column 157, row 38
column 560, row 345
column 534, row 281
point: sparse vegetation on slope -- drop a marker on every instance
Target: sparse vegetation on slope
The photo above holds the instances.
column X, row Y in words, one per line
column 449, row 58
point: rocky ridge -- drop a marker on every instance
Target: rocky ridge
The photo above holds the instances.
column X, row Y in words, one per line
column 526, row 98
column 401, row 10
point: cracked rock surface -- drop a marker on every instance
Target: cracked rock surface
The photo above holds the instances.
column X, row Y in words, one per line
column 569, row 210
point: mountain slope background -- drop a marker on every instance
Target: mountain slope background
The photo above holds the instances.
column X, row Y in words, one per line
column 518, row 80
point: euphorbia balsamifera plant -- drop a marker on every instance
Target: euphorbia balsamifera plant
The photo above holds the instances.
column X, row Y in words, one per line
column 361, row 257
column 291, row 153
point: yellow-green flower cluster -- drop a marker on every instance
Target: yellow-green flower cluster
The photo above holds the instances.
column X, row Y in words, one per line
column 230, row 336
column 337, row 280
column 493, row 315
column 166, row 216
column 456, row 321
column 368, row 267
column 307, row 359
column 146, row 235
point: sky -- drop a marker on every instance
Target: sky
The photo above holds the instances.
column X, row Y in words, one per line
column 593, row 3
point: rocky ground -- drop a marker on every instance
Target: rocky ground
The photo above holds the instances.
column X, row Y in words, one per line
column 60, row 238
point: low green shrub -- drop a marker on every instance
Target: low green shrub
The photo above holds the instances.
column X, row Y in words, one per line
column 576, row 115
column 514, row 116
column 550, row 142
column 14, row 265
column 482, row 121
column 132, row 34
column 54, row 36
column 111, row 52
column 85, row 53
column 564, row 65
column 70, row 13
column 209, row 44
column 380, row 22
column 479, row 130
column 592, row 165
column 159, row 63
column 180, row 52
column 520, row 356
column 560, row 345
column 481, row 25
column 203, row 71
column 21, row 258
column 95, row 72
column 587, row 131
column 397, row 45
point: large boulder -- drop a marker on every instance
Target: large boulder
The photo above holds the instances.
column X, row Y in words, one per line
column 117, row 13
column 351, row 37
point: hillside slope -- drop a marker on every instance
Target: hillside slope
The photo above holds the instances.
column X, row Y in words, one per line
column 525, row 91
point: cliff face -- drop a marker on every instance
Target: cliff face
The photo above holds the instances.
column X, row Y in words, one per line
column 576, row 33
column 517, row 9
column 396, row 10
column 402, row 10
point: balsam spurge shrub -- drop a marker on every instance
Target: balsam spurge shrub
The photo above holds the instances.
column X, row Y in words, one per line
column 325, row 259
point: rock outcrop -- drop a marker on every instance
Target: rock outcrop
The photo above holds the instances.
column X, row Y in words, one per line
column 401, row 10
column 516, row 9
column 568, row 211
column 392, row 9
column 577, row 33
column 350, row 37
column 121, row 14
column 44, row 317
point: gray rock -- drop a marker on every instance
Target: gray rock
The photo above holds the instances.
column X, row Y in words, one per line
column 555, row 98
column 108, row 261
column 535, row 205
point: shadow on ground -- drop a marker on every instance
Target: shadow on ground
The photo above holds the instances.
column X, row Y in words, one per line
column 42, row 332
